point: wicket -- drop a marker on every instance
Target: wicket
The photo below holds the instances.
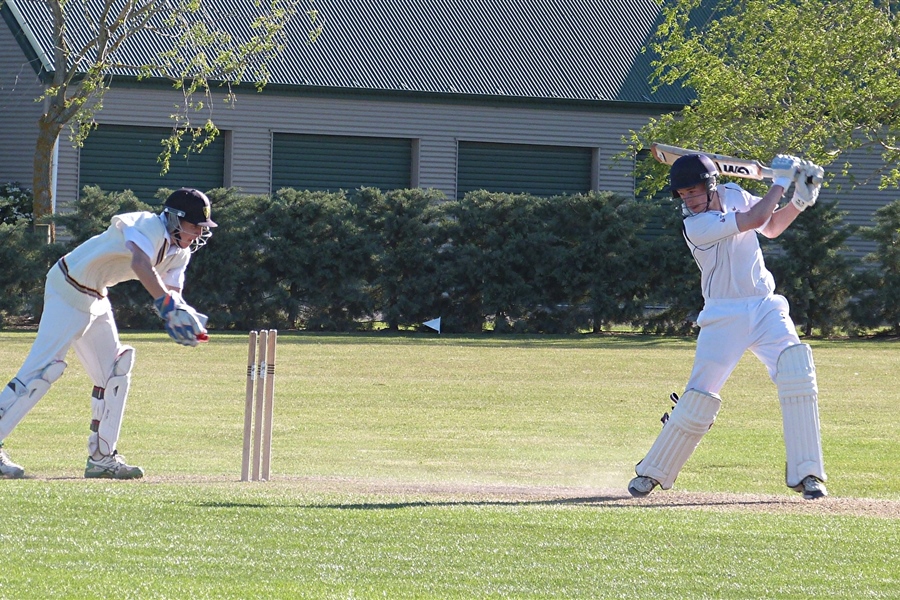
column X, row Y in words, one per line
column 258, row 407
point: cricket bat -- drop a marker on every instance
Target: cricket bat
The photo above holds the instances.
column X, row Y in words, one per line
column 727, row 165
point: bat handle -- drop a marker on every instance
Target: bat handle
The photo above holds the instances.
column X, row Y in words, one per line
column 768, row 174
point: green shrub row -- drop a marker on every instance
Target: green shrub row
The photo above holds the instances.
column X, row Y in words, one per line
column 511, row 263
column 339, row 262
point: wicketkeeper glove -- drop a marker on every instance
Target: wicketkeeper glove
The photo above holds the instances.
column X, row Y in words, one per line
column 784, row 168
column 182, row 323
column 807, row 185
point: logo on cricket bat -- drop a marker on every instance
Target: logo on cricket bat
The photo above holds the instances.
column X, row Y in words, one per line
column 732, row 169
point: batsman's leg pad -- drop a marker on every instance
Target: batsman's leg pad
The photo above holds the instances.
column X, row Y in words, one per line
column 18, row 397
column 108, row 406
column 798, row 394
column 690, row 420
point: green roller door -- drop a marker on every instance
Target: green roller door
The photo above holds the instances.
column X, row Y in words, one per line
column 520, row 168
column 332, row 162
column 118, row 158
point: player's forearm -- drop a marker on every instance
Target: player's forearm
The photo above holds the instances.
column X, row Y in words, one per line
column 146, row 274
column 780, row 221
column 151, row 281
column 761, row 212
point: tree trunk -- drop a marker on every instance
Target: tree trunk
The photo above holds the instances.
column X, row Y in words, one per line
column 48, row 133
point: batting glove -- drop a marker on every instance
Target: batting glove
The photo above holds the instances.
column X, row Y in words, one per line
column 784, row 169
column 807, row 185
column 811, row 172
column 182, row 322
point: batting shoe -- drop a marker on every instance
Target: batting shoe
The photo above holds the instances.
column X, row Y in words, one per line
column 8, row 468
column 111, row 466
column 641, row 486
column 812, row 488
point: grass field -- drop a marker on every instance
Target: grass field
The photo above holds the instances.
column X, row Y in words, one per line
column 425, row 466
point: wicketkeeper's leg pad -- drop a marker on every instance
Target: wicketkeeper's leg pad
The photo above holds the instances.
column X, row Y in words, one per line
column 108, row 406
column 19, row 397
column 690, row 420
column 798, row 394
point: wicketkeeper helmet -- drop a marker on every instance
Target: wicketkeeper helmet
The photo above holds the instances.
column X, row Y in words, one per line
column 191, row 205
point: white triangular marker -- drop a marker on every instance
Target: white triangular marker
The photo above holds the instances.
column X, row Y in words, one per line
column 434, row 324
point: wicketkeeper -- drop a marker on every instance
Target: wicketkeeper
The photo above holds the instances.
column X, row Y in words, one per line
column 741, row 311
column 155, row 249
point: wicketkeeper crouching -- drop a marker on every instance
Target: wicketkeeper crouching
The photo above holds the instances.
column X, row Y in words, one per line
column 154, row 249
column 741, row 311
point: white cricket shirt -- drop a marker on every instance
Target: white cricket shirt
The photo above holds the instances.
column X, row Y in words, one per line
column 83, row 275
column 731, row 263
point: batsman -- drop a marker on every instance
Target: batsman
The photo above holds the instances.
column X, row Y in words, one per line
column 741, row 311
column 152, row 248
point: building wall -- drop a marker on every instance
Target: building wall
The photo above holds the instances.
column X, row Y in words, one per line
column 19, row 87
column 857, row 192
column 437, row 128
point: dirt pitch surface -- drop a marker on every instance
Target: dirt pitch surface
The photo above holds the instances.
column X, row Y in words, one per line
column 394, row 494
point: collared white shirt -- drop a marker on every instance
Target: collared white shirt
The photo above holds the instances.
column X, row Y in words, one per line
column 731, row 263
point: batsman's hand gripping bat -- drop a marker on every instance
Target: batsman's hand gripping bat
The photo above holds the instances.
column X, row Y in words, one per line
column 727, row 165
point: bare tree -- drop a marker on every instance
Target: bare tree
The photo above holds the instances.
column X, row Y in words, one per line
column 200, row 49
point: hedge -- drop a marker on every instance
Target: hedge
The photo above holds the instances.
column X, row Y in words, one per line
column 343, row 261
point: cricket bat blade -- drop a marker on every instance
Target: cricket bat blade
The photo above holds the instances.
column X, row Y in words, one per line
column 727, row 165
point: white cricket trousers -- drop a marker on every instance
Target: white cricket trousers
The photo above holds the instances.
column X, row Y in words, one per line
column 728, row 328
column 94, row 337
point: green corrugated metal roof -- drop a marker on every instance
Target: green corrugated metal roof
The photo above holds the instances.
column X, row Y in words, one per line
column 554, row 50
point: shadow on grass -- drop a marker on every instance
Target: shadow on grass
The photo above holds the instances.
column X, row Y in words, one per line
column 600, row 501
column 611, row 340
